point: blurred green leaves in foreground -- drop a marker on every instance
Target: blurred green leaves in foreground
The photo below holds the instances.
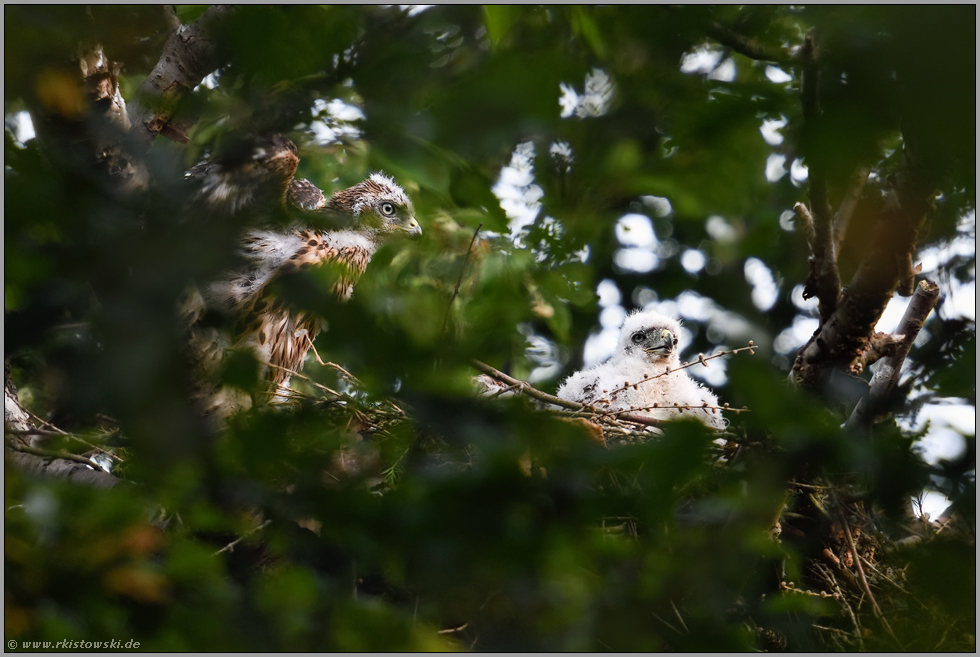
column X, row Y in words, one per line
column 414, row 515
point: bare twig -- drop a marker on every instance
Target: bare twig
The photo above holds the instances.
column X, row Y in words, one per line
column 462, row 270
column 45, row 423
column 531, row 391
column 675, row 407
column 628, row 415
column 700, row 361
column 301, row 376
column 231, row 546
column 828, row 577
column 350, row 377
column 679, row 617
column 55, row 431
column 891, row 581
column 32, row 432
column 666, row 623
column 285, row 389
column 519, row 384
column 864, row 583
column 526, row 388
column 451, row 630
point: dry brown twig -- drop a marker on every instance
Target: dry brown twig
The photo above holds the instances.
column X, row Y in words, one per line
column 591, row 412
column 702, row 360
column 827, row 575
column 301, row 376
column 55, row 431
column 231, row 546
column 679, row 407
column 864, row 582
column 350, row 377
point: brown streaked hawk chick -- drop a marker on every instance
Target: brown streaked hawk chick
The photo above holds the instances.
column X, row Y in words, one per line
column 277, row 334
column 647, row 346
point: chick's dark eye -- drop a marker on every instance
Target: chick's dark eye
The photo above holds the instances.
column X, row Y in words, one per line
column 637, row 338
column 387, row 209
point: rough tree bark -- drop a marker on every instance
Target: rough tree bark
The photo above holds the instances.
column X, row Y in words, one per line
column 890, row 367
column 190, row 54
column 845, row 335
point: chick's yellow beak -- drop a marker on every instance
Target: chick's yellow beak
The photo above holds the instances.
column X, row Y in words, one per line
column 411, row 228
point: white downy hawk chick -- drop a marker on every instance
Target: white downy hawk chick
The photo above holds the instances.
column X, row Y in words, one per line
column 270, row 328
column 647, row 346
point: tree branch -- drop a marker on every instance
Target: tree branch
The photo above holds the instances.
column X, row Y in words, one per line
column 529, row 390
column 462, row 270
column 805, row 221
column 189, row 55
column 38, row 462
column 845, row 336
column 527, row 387
column 890, row 368
column 231, row 546
column 882, row 345
column 47, row 453
column 824, row 279
column 747, row 46
column 848, row 204
column 60, row 468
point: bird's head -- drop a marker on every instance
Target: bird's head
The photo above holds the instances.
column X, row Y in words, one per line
column 380, row 206
column 650, row 337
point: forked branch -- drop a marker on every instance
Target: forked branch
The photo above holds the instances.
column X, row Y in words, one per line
column 890, row 367
column 189, row 55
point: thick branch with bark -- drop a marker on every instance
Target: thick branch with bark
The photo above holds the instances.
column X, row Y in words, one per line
column 890, row 367
column 73, row 471
column 189, row 55
column 38, row 462
column 848, row 204
column 845, row 336
column 100, row 77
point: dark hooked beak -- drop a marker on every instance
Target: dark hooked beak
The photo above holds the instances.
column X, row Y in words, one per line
column 663, row 340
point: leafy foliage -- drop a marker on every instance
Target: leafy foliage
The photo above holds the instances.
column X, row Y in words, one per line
column 407, row 514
